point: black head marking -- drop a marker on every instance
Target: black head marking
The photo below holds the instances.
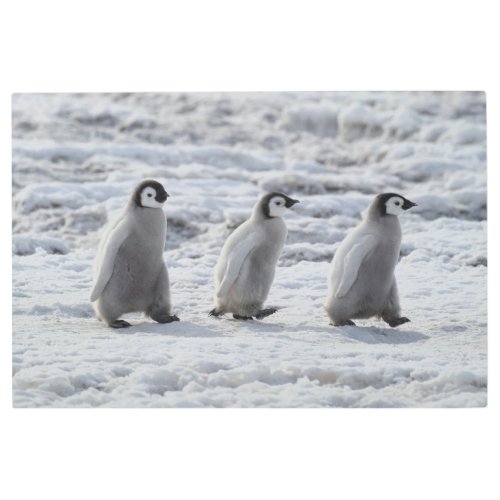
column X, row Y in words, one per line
column 161, row 194
column 383, row 198
column 264, row 202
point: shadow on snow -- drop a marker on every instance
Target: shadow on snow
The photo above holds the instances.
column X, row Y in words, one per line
column 175, row 329
column 371, row 335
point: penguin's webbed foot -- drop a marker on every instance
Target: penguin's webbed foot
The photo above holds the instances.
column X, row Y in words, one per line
column 120, row 323
column 266, row 312
column 167, row 318
column 397, row 321
column 215, row 312
column 346, row 322
column 237, row 316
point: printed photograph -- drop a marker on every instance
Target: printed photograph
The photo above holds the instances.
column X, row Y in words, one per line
column 244, row 250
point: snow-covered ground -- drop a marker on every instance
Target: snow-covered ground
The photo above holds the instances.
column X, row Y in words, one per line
column 76, row 159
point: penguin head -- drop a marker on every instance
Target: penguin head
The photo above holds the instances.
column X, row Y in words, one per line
column 275, row 204
column 150, row 194
column 392, row 204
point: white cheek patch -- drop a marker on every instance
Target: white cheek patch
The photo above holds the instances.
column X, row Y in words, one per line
column 148, row 198
column 152, row 203
column 392, row 207
column 276, row 210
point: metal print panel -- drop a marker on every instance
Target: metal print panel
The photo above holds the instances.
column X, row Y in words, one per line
column 294, row 249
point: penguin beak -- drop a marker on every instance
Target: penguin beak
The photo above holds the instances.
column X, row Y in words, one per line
column 160, row 198
column 290, row 202
column 408, row 204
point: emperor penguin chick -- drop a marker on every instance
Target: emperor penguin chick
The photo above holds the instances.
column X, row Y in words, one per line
column 246, row 266
column 361, row 281
column 129, row 272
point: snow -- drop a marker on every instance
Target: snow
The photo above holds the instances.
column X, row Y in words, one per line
column 76, row 158
column 25, row 244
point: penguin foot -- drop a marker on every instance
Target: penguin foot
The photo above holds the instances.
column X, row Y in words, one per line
column 237, row 316
column 166, row 318
column 346, row 322
column 397, row 321
column 120, row 323
column 266, row 312
column 215, row 312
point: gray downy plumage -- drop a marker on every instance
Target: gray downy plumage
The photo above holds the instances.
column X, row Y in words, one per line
column 130, row 274
column 247, row 263
column 361, row 279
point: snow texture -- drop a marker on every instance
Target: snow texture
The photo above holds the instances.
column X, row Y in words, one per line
column 76, row 159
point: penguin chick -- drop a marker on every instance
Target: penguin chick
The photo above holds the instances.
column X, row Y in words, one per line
column 129, row 272
column 246, row 266
column 361, row 280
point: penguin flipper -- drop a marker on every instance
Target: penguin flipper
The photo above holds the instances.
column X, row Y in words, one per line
column 352, row 263
column 115, row 240
column 236, row 259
